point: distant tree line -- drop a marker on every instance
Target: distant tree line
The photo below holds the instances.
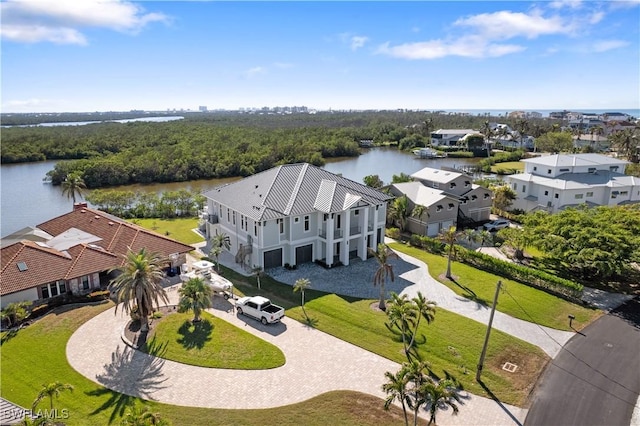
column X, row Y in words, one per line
column 207, row 146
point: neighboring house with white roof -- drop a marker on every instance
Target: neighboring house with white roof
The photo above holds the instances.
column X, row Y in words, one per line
column 555, row 182
column 297, row 213
column 449, row 137
column 450, row 198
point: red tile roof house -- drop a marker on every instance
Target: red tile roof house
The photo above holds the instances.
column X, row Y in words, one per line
column 83, row 246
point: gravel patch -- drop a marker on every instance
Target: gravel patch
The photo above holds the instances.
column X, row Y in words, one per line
column 355, row 280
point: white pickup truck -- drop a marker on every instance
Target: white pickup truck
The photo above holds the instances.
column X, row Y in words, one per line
column 260, row 308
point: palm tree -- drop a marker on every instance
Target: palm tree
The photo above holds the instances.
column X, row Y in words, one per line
column 195, row 295
column 426, row 309
column 627, row 142
column 73, row 185
column 384, row 271
column 416, row 375
column 141, row 416
column 140, row 282
column 15, row 312
column 301, row 285
column 449, row 237
column 51, row 390
column 487, row 132
column 428, row 127
column 403, row 315
column 419, row 211
column 219, row 243
column 437, row 395
column 396, row 387
column 484, row 237
column 399, row 211
column 522, row 127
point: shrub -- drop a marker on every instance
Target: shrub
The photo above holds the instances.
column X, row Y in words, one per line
column 392, row 233
column 429, row 244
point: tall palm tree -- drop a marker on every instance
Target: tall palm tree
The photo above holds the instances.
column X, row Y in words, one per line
column 140, row 283
column 195, row 295
column 395, row 388
column 51, row 390
column 384, row 271
column 487, row 132
column 73, row 185
column 416, row 372
column 449, row 237
column 627, row 142
column 437, row 395
column 403, row 315
column 426, row 309
column 419, row 211
column 522, row 126
column 301, row 285
column 219, row 243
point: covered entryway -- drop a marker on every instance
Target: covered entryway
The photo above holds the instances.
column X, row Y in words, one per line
column 304, row 254
column 272, row 258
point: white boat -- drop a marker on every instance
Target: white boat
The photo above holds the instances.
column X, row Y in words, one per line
column 428, row 153
column 204, row 270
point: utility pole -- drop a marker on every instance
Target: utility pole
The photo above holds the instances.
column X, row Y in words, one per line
column 486, row 339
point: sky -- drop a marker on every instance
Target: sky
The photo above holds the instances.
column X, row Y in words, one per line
column 92, row 55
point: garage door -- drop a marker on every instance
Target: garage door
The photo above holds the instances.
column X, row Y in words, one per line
column 272, row 258
column 304, row 254
column 433, row 229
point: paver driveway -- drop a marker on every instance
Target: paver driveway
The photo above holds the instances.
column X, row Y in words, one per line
column 315, row 363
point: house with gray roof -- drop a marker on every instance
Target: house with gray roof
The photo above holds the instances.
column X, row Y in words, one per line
column 297, row 213
column 449, row 198
column 449, row 137
column 555, row 182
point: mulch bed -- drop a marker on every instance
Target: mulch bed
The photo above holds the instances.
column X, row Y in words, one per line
column 132, row 329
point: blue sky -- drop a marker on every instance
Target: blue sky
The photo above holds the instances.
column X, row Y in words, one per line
column 71, row 55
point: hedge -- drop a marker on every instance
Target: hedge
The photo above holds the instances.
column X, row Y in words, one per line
column 521, row 273
column 516, row 272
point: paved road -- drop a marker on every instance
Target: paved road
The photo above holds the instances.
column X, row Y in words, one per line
column 596, row 379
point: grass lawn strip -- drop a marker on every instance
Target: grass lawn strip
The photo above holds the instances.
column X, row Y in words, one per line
column 453, row 345
column 36, row 355
column 178, row 229
column 212, row 343
column 541, row 307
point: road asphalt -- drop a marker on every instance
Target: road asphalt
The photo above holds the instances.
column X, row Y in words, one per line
column 595, row 379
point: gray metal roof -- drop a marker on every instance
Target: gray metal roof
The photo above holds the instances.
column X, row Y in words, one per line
column 292, row 190
column 579, row 180
column 436, row 175
column 420, row 194
column 575, row 160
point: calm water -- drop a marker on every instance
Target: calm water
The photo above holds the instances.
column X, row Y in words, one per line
column 25, row 200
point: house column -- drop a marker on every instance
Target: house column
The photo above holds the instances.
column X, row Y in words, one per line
column 330, row 230
column 375, row 229
column 344, row 256
column 362, row 250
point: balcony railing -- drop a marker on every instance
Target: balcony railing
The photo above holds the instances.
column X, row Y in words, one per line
column 337, row 233
column 213, row 219
column 355, row 230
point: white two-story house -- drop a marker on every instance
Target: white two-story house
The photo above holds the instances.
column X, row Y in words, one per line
column 297, row 213
column 555, row 182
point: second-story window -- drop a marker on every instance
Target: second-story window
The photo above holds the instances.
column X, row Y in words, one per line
column 228, row 215
column 306, row 224
column 233, row 216
column 281, row 225
column 241, row 221
column 255, row 229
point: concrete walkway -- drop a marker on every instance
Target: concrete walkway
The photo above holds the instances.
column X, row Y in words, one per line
column 315, row 363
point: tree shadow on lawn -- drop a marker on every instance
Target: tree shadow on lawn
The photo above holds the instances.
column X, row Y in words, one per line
column 131, row 374
column 195, row 334
column 469, row 294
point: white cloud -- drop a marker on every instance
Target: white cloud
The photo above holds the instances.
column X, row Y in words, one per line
column 605, row 45
column 61, row 21
column 505, row 24
column 596, row 17
column 469, row 47
column 283, row 65
column 358, row 41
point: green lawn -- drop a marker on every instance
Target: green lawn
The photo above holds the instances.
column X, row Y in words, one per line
column 212, row 343
column 453, row 345
column 518, row 166
column 36, row 355
column 178, row 229
column 518, row 300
